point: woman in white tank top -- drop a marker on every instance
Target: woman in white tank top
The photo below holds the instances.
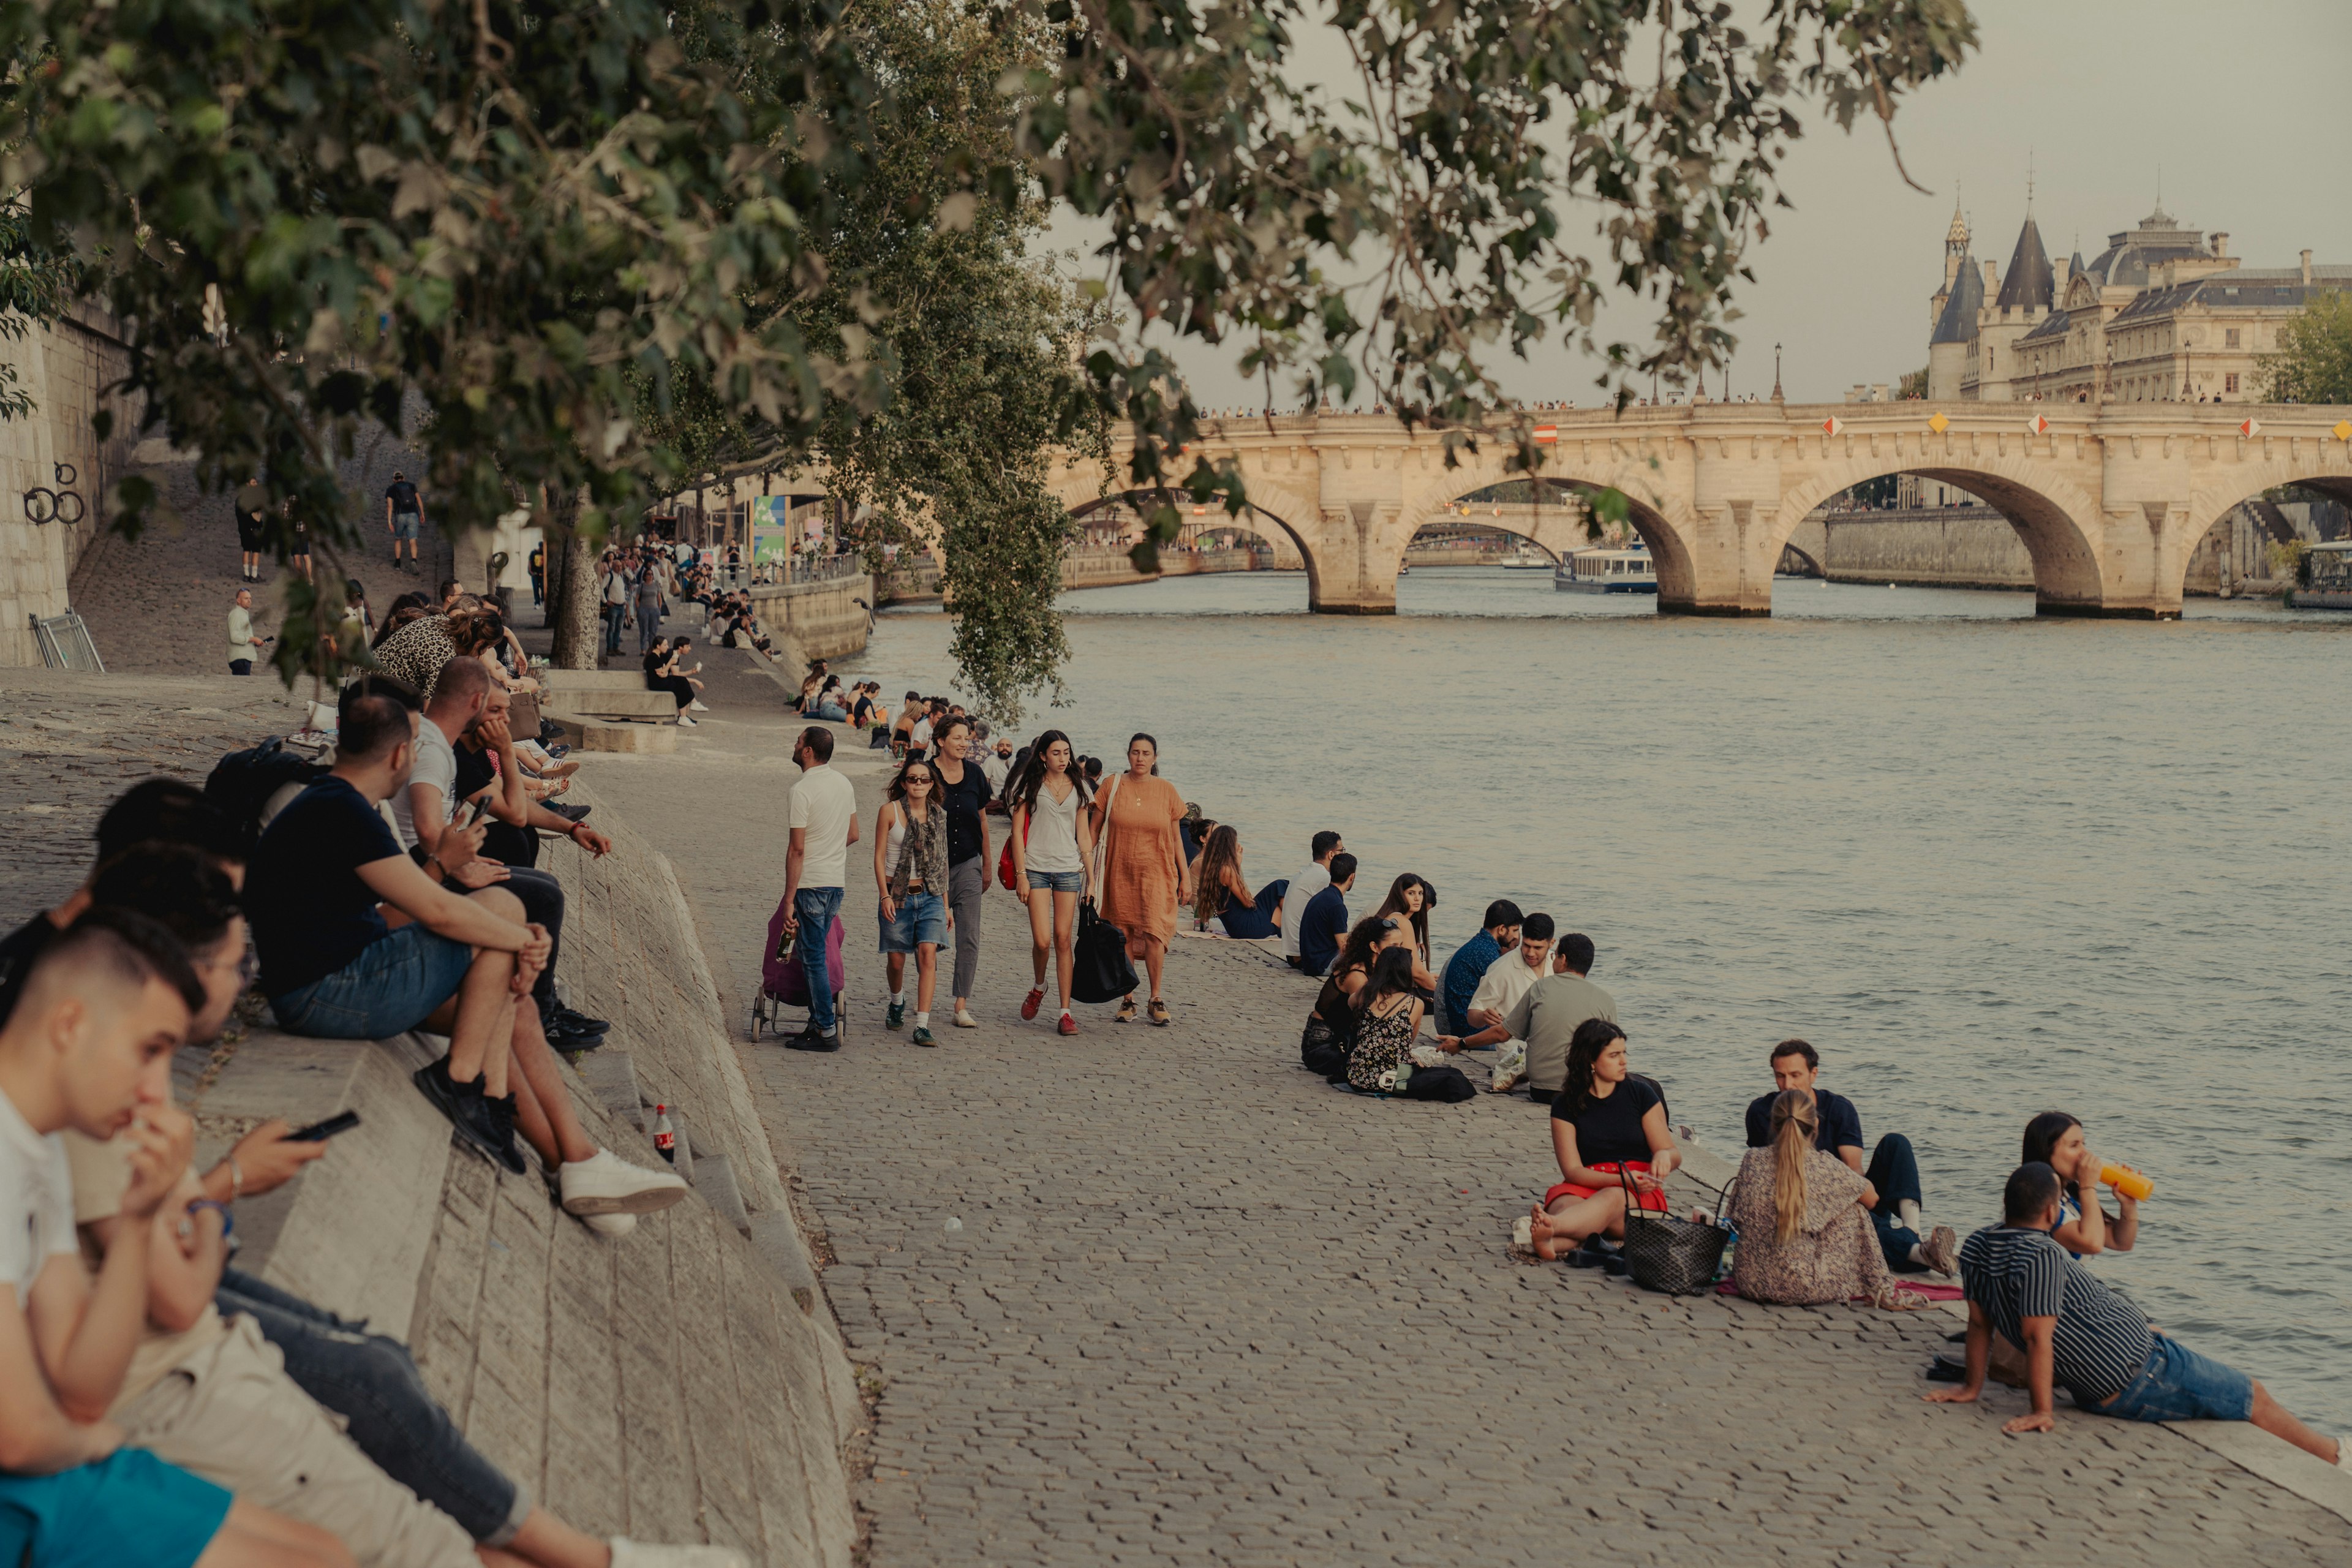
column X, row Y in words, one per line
column 1053, row 846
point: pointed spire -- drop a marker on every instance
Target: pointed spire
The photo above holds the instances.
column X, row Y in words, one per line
column 2029, row 280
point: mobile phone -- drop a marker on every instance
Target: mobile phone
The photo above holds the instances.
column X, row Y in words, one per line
column 481, row 810
column 318, row 1131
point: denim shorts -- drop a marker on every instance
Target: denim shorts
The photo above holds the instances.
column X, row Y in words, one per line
column 130, row 1507
column 390, row 988
column 1060, row 881
column 922, row 918
column 403, row 526
column 2178, row 1384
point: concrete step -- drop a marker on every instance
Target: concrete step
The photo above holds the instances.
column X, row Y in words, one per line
column 637, row 704
column 592, row 734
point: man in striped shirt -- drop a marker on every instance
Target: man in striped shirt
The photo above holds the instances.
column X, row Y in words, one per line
column 2077, row 1331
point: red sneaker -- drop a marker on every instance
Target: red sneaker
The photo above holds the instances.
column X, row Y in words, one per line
column 1030, row 1004
column 1068, row 1025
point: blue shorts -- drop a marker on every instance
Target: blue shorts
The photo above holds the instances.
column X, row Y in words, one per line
column 130, row 1507
column 403, row 526
column 1060, row 881
column 2178, row 1384
column 922, row 918
column 390, row 988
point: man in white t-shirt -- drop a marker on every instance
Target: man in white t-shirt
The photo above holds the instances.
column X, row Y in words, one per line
column 1506, row 980
column 421, row 808
column 824, row 825
column 1305, row 885
column 920, row 740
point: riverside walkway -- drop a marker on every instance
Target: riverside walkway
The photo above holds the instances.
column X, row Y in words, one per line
column 1201, row 1307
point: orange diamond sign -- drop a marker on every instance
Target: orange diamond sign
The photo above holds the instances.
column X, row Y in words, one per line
column 1938, row 424
column 2251, row 429
column 2343, row 431
column 1832, row 424
column 2037, row 424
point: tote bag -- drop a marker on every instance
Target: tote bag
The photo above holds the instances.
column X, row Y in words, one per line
column 1101, row 970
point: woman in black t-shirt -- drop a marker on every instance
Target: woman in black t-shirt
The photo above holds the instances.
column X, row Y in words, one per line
column 1605, row 1121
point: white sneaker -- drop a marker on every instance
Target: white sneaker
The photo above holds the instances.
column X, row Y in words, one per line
column 627, row 1554
column 686, row 719
column 607, row 1184
column 699, row 706
column 614, row 1225
column 965, row 1020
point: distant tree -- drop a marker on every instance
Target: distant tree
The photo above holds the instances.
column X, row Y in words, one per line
column 2313, row 362
column 1913, row 384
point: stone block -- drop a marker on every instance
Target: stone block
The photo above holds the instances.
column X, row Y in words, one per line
column 776, row 1239
column 714, row 1178
column 594, row 735
column 612, row 1077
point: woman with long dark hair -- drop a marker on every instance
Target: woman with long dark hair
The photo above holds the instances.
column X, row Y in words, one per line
column 964, row 791
column 911, row 869
column 1606, row 1124
column 1381, row 1058
column 1409, row 898
column 661, row 675
column 1221, row 894
column 2057, row 1141
column 1144, row 879
column 1803, row 1218
column 1331, row 1026
column 1053, row 842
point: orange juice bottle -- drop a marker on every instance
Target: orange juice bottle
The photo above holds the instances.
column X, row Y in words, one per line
column 2126, row 1180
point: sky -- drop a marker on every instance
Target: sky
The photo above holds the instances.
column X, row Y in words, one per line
column 2238, row 108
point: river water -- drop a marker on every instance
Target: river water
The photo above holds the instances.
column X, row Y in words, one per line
column 1990, row 864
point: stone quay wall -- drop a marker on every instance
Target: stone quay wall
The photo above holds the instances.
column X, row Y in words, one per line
column 1963, row 547
column 824, row 619
column 685, row 1383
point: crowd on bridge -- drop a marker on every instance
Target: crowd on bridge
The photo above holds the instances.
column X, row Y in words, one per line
column 1815, row 1216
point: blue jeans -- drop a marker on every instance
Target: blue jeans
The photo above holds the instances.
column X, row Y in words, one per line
column 2178, row 1384
column 612, row 614
column 816, row 909
column 390, row 988
column 830, row 711
column 372, row 1382
column 648, row 630
column 1894, row 1171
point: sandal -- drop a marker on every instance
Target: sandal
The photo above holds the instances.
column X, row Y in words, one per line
column 1160, row 1016
column 1126, row 1011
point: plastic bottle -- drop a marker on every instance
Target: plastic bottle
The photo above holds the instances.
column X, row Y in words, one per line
column 2126, row 1180
column 664, row 1135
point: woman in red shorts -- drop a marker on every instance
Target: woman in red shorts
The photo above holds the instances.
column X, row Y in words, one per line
column 1604, row 1122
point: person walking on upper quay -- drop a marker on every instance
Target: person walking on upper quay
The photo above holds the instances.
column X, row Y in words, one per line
column 1323, row 923
column 1799, row 1211
column 538, row 569
column 612, row 596
column 823, row 819
column 1499, row 933
column 404, row 518
column 1053, row 844
column 1305, row 883
column 242, row 642
column 252, row 510
column 964, row 790
column 1144, row 877
column 910, row 872
column 650, row 605
column 2021, row 1283
column 1910, row 1244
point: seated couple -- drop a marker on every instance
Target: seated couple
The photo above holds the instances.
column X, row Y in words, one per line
column 1887, row 1189
column 2022, row 1285
column 1363, row 1030
column 357, row 942
column 1532, row 1012
column 1608, row 1133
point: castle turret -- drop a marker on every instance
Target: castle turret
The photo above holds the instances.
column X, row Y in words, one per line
column 2026, row 295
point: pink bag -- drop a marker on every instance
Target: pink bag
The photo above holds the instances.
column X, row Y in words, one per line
column 784, row 979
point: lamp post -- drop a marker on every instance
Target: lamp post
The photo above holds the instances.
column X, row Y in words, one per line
column 1777, row 397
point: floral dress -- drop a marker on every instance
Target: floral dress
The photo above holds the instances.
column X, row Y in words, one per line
column 1380, row 1046
column 1834, row 1254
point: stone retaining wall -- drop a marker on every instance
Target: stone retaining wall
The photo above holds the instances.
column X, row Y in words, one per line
column 1949, row 547
column 824, row 620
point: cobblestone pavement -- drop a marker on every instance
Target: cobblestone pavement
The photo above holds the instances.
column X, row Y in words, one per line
column 1203, row 1307
column 160, row 604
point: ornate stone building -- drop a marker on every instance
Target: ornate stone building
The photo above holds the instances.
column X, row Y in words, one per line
column 2164, row 314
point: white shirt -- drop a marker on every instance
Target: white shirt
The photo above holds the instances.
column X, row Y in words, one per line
column 435, row 765
column 920, row 736
column 825, row 803
column 1506, row 980
column 1304, row 885
column 37, row 1219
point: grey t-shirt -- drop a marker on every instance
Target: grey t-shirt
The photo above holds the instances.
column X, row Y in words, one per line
column 1547, row 1017
column 435, row 765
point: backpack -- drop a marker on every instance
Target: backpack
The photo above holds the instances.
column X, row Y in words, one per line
column 243, row 782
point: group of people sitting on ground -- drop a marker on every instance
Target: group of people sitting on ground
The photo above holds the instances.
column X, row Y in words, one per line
column 157, row 1406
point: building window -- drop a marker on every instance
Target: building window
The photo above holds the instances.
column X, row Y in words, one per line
column 2230, row 381
column 2229, row 338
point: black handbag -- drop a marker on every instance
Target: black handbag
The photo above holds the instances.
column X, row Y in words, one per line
column 1678, row 1257
column 1100, row 968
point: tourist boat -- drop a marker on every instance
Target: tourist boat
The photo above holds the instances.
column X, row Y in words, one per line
column 2323, row 580
column 1527, row 557
column 1607, row 571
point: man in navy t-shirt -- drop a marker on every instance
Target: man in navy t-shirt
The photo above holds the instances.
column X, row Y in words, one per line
column 1498, row 935
column 1910, row 1245
column 1323, row 927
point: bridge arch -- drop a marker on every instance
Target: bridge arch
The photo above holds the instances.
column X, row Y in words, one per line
column 2210, row 502
column 1262, row 519
column 2058, row 525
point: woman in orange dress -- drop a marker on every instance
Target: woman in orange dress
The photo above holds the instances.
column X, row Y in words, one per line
column 1144, row 877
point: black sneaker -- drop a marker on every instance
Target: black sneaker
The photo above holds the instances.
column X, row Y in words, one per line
column 462, row 1104
column 809, row 1040
column 574, row 1022
column 500, row 1115
column 570, row 813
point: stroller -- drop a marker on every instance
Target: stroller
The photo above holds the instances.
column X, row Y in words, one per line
column 783, row 982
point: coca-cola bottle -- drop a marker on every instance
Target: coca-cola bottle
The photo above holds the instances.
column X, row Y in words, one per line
column 664, row 1135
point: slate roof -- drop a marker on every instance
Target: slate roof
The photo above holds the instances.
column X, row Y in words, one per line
column 2277, row 289
column 1957, row 324
column 2155, row 239
column 2029, row 281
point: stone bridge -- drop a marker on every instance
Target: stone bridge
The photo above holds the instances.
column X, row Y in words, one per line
column 2109, row 500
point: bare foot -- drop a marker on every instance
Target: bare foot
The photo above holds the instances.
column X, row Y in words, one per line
column 1548, row 1243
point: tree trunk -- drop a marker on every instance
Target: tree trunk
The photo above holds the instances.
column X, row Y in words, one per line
column 573, row 608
